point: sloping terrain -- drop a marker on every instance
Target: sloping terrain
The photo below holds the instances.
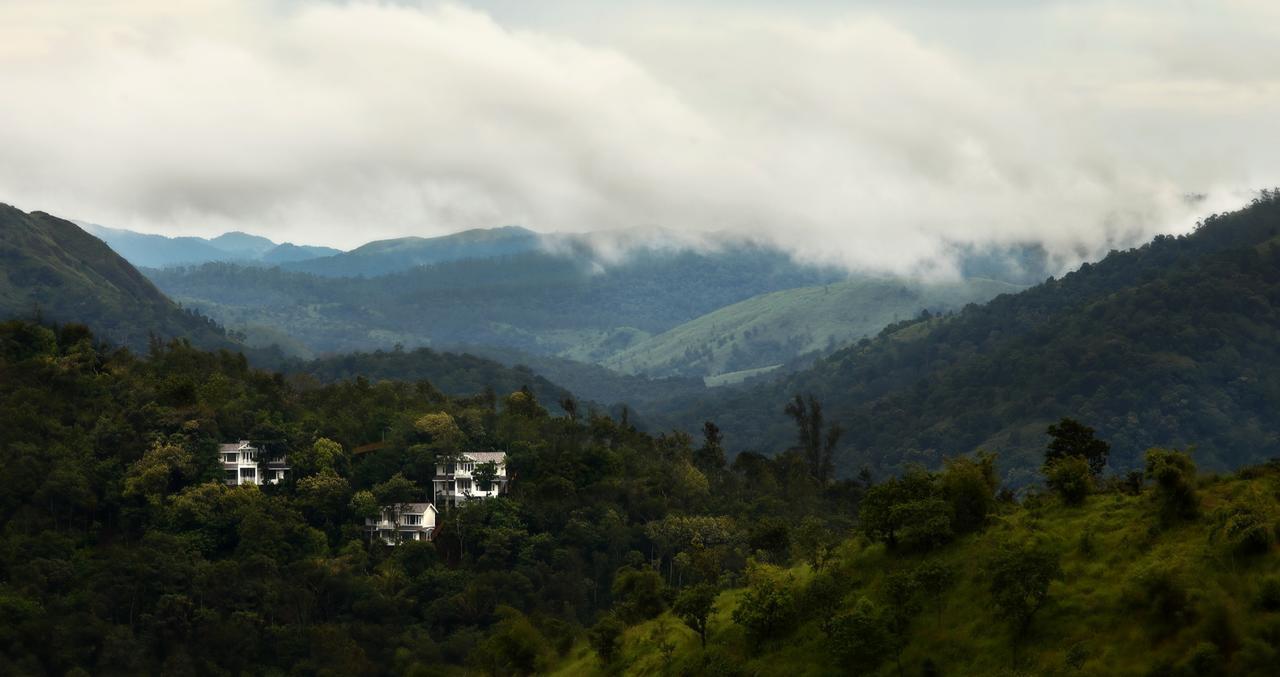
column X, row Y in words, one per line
column 777, row 327
column 51, row 268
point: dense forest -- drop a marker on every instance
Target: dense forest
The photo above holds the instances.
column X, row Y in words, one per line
column 1172, row 343
column 122, row 552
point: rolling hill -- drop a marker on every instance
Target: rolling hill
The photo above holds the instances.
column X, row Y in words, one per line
column 1170, row 344
column 384, row 257
column 51, row 268
column 775, row 328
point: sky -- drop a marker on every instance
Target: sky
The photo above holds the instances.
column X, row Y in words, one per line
column 876, row 135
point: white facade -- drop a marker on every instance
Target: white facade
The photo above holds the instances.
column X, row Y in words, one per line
column 455, row 481
column 404, row 522
column 240, row 465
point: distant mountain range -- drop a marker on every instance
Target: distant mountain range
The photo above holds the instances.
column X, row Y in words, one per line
column 385, row 257
column 158, row 251
column 52, row 269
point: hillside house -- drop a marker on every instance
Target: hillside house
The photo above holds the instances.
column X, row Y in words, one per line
column 455, row 480
column 404, row 522
column 246, row 463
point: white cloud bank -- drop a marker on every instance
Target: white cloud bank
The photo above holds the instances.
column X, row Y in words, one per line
column 868, row 135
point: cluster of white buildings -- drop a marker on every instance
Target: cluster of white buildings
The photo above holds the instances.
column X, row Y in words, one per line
column 470, row 475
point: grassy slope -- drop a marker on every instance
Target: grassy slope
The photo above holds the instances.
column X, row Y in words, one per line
column 1091, row 606
column 774, row 328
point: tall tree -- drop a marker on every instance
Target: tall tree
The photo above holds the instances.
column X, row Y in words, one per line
column 818, row 449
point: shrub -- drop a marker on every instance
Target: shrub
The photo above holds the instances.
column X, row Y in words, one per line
column 639, row 594
column 1247, row 526
column 605, row 636
column 1174, row 474
column 1268, row 597
column 1159, row 590
column 1070, row 478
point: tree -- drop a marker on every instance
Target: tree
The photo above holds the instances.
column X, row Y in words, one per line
column 604, row 637
column 815, row 541
column 767, row 609
column 694, row 606
column 859, row 637
column 1070, row 477
column 485, row 475
column 1174, row 474
column 323, row 455
column 907, row 511
column 818, row 450
column 1019, row 575
column 639, row 594
column 710, row 457
column 1070, row 437
column 935, row 578
column 970, row 485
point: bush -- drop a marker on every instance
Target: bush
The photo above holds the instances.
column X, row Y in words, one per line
column 639, row 594
column 1247, row 526
column 1268, row 597
column 1159, row 590
column 1070, row 478
column 1174, row 474
column 605, row 636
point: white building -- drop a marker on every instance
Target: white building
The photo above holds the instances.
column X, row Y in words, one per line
column 404, row 522
column 240, row 464
column 455, row 481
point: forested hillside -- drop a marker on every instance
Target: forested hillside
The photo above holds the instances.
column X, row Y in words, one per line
column 779, row 327
column 1172, row 343
column 51, row 268
column 122, row 552
column 537, row 302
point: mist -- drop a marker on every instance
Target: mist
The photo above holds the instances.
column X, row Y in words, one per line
column 874, row 136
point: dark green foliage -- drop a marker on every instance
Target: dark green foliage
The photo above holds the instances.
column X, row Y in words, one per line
column 969, row 485
column 1070, row 438
column 767, row 609
column 1174, row 475
column 1019, row 576
column 860, row 638
column 638, row 594
column 693, row 606
column 605, row 637
column 814, row 540
column 910, row 512
column 1070, row 477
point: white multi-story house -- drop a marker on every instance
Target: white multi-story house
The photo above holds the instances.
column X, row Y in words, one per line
column 240, row 464
column 455, row 479
column 404, row 522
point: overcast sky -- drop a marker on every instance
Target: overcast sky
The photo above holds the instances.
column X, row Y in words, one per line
column 869, row 133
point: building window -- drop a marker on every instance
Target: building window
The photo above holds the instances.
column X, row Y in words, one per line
column 248, row 475
column 413, row 520
column 464, row 485
column 230, row 476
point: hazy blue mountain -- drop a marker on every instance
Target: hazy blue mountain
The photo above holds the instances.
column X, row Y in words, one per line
column 289, row 253
column 158, row 251
column 390, row 256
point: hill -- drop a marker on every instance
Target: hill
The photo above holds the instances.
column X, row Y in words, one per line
column 777, row 327
column 1171, row 343
column 391, row 256
column 117, row 530
column 158, row 251
column 537, row 302
column 1126, row 594
column 51, row 267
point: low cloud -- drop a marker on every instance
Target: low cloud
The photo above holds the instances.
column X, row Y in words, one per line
column 869, row 136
